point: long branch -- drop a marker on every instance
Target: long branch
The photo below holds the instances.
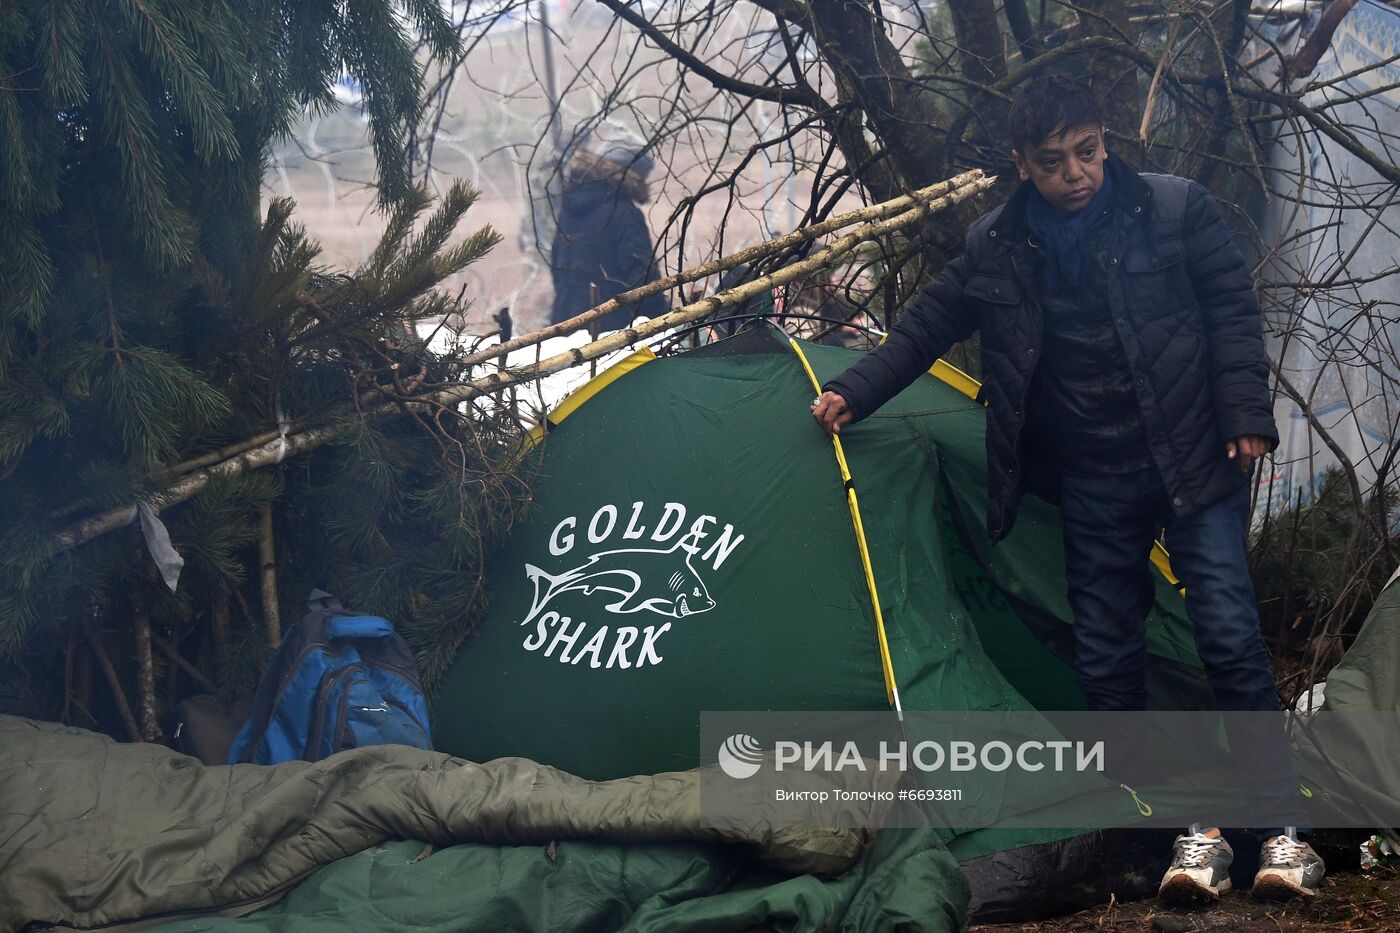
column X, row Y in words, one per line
column 758, row 251
column 191, row 484
column 724, row 264
column 1319, row 40
column 782, row 94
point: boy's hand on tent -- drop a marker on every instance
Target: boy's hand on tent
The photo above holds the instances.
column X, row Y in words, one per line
column 1246, row 450
column 831, row 412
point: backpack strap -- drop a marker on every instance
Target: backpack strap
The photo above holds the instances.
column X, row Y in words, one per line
column 360, row 627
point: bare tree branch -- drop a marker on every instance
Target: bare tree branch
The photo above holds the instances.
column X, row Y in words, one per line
column 1318, row 41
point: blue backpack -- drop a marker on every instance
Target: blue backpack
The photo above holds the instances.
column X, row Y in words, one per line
column 339, row 680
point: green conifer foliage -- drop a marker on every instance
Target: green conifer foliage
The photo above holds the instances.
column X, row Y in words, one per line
column 153, row 312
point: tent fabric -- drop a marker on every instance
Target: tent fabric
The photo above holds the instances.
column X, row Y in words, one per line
column 1368, row 677
column 1360, row 772
column 1060, row 877
column 689, row 549
column 722, row 437
column 95, row 832
column 714, row 451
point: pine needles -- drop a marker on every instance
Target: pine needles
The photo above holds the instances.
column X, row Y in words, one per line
column 153, row 312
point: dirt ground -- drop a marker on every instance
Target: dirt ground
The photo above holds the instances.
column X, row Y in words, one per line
column 1348, row 901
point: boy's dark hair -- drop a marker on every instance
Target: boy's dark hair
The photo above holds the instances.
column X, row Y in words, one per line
column 1047, row 107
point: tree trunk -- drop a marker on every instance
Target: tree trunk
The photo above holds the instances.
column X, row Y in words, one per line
column 903, row 114
column 982, row 60
column 1113, row 78
column 980, row 53
column 1027, row 36
column 1223, row 121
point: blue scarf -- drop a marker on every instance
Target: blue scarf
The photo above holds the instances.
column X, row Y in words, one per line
column 1063, row 236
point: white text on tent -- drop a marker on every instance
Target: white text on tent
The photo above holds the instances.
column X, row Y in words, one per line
column 605, row 521
column 568, row 634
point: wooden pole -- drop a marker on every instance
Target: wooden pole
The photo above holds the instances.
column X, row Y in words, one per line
column 145, row 677
column 180, row 663
column 113, row 682
column 974, row 180
column 888, row 208
column 192, row 483
column 267, row 566
column 219, row 616
column 593, row 327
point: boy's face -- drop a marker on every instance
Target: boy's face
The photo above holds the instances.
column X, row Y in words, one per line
column 1066, row 169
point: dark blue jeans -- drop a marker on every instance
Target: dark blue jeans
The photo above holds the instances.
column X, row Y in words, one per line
column 1110, row 522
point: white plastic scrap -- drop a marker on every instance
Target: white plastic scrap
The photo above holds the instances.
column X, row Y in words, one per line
column 1375, row 851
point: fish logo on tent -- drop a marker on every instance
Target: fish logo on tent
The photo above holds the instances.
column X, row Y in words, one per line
column 642, row 579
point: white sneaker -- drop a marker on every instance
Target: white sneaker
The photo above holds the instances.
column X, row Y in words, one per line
column 1200, row 869
column 1287, row 868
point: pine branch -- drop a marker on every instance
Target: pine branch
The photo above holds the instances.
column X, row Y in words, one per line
column 391, row 79
column 150, row 395
column 17, row 184
column 28, row 280
column 60, row 53
column 397, row 231
column 191, row 90
column 129, row 127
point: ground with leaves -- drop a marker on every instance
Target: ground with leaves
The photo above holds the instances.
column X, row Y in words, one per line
column 1349, row 901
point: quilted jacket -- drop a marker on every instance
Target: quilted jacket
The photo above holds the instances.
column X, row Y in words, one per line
column 1183, row 307
column 602, row 241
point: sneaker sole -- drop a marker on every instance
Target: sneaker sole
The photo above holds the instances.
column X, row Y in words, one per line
column 1276, row 888
column 1182, row 890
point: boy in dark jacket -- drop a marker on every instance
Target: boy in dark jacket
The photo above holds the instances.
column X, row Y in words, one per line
column 1125, row 375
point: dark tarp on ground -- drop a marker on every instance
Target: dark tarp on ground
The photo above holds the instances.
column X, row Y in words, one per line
column 95, row 832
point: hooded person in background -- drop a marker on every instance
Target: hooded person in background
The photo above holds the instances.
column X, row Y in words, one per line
column 602, row 247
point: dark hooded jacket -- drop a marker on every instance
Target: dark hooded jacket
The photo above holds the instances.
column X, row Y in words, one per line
column 1182, row 306
column 602, row 240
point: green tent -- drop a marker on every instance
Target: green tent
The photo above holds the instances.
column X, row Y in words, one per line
column 691, row 547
